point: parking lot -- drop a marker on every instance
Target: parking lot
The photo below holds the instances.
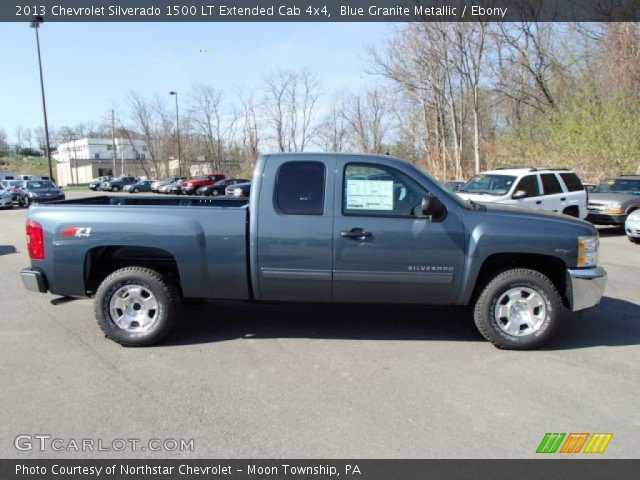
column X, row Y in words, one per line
column 296, row 381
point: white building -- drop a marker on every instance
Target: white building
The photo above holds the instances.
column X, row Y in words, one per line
column 80, row 161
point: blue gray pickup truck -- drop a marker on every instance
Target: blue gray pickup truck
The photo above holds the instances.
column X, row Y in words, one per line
column 343, row 228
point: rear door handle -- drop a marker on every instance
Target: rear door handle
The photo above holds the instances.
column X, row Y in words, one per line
column 355, row 233
column 563, row 199
column 538, row 202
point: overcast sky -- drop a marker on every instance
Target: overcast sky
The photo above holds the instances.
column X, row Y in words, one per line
column 90, row 67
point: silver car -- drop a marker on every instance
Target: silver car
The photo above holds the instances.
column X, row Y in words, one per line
column 632, row 226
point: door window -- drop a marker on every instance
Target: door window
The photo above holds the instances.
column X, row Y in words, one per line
column 572, row 182
column 530, row 185
column 379, row 191
column 550, row 184
column 300, row 188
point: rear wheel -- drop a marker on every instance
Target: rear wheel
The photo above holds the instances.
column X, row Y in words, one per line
column 136, row 190
column 634, row 239
column 114, row 189
column 572, row 211
column 518, row 309
column 215, row 193
column 136, row 306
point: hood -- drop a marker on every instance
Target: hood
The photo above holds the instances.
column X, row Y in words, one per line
column 44, row 190
column 511, row 211
column 613, row 197
column 479, row 197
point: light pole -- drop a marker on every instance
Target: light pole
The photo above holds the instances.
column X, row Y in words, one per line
column 35, row 24
column 178, row 134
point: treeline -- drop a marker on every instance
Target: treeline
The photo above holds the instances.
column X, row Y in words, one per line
column 453, row 98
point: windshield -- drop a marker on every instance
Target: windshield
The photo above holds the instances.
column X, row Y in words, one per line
column 490, row 184
column 40, row 184
column 15, row 183
column 619, row 185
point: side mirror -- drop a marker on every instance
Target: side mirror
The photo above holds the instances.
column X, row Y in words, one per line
column 519, row 194
column 432, row 207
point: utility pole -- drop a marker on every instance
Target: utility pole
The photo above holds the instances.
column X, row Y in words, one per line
column 113, row 140
column 35, row 24
column 178, row 134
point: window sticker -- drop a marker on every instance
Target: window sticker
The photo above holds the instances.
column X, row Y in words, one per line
column 369, row 194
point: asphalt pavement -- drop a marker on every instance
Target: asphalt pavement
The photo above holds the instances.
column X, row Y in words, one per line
column 300, row 381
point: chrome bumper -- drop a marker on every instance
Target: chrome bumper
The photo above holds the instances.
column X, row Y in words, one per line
column 585, row 287
column 33, row 280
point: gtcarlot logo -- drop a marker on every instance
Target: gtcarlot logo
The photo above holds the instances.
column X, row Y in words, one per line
column 44, row 442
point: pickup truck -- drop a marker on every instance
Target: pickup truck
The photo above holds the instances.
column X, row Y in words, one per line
column 317, row 228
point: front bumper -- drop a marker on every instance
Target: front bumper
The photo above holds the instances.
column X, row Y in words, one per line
column 585, row 287
column 606, row 218
column 33, row 280
column 632, row 229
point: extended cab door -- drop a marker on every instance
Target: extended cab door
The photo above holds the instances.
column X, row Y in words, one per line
column 294, row 257
column 382, row 250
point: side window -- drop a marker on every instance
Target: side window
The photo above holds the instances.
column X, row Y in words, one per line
column 530, row 185
column 550, row 184
column 300, row 188
column 572, row 182
column 376, row 190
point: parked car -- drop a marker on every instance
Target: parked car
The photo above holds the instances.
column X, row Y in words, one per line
column 220, row 186
column 304, row 240
column 141, row 186
column 632, row 226
column 453, row 185
column 171, row 188
column 190, row 186
column 238, row 190
column 6, row 198
column 38, row 191
column 589, row 187
column 155, row 186
column 117, row 184
column 97, row 182
column 614, row 199
column 557, row 190
column 14, row 187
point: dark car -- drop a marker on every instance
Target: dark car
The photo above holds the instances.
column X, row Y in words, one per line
column 613, row 200
column 95, row 184
column 453, row 185
column 238, row 190
column 39, row 191
column 220, row 186
column 141, row 186
column 117, row 184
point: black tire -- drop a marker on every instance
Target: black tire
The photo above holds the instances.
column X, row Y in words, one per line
column 484, row 313
column 164, row 292
column 572, row 212
column 136, row 190
column 215, row 193
column 634, row 239
column 114, row 189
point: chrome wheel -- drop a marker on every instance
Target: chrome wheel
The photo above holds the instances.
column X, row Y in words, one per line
column 520, row 311
column 134, row 308
column 215, row 193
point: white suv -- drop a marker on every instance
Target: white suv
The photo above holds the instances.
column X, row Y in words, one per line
column 557, row 190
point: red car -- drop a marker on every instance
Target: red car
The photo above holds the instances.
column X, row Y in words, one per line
column 190, row 186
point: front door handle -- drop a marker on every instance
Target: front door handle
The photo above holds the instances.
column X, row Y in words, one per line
column 563, row 199
column 538, row 202
column 355, row 233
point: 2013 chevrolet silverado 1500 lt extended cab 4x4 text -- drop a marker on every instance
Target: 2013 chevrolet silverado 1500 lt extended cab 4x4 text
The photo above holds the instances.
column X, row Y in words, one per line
column 317, row 228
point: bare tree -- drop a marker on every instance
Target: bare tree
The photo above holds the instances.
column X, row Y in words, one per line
column 368, row 117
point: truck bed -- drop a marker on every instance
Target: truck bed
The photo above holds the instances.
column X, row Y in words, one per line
column 172, row 200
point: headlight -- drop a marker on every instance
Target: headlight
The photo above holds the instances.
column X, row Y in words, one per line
column 32, row 194
column 588, row 251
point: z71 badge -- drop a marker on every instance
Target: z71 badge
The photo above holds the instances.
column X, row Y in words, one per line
column 78, row 232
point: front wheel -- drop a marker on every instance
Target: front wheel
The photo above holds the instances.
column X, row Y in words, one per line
column 26, row 202
column 215, row 193
column 114, row 189
column 136, row 306
column 518, row 309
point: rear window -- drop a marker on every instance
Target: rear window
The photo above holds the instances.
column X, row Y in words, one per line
column 572, row 182
column 300, row 188
column 550, row 184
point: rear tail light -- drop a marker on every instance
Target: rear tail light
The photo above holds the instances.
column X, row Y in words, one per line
column 35, row 240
